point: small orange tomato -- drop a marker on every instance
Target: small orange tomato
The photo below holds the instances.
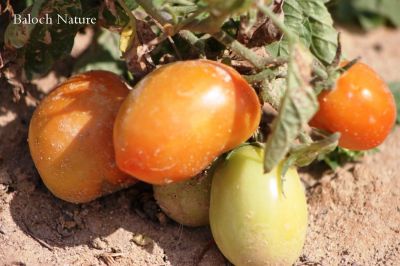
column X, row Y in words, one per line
column 180, row 117
column 70, row 137
column 360, row 107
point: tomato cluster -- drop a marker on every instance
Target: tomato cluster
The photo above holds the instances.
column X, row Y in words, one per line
column 91, row 136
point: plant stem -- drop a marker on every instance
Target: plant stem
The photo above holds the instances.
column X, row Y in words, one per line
column 181, row 2
column 127, row 11
column 185, row 9
column 193, row 40
column 320, row 71
column 151, row 8
column 305, row 138
column 258, row 61
column 263, row 75
column 238, row 48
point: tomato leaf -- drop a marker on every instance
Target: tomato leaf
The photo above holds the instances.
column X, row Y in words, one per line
column 304, row 154
column 50, row 42
column 395, row 88
column 298, row 105
column 103, row 54
column 311, row 21
column 131, row 4
column 369, row 13
column 41, row 44
column 341, row 156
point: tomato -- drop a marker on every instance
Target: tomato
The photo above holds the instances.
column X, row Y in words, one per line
column 255, row 218
column 70, row 137
column 360, row 107
column 186, row 202
column 182, row 116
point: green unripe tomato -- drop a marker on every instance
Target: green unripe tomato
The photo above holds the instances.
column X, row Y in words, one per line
column 186, row 202
column 255, row 218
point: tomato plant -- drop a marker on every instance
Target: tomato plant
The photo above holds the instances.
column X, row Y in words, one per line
column 360, row 107
column 70, row 137
column 186, row 202
column 188, row 109
column 227, row 7
column 180, row 117
column 257, row 218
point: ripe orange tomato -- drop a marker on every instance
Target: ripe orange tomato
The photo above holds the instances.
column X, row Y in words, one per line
column 70, row 137
column 180, row 117
column 360, row 107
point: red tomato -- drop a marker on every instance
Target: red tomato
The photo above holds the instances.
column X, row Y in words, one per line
column 360, row 107
column 180, row 117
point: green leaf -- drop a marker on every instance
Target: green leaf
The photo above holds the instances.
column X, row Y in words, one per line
column 369, row 13
column 104, row 54
column 385, row 8
column 298, row 105
column 341, row 156
column 304, row 154
column 395, row 88
column 312, row 23
column 131, row 4
column 50, row 42
column 371, row 21
column 40, row 45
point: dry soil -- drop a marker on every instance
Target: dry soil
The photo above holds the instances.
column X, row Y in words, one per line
column 354, row 212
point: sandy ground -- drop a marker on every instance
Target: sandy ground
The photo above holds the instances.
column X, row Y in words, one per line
column 354, row 212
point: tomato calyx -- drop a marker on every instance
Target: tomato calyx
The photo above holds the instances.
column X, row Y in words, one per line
column 302, row 155
column 327, row 77
column 228, row 155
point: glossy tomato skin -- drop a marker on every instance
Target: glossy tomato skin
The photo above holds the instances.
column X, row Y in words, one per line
column 360, row 107
column 254, row 219
column 70, row 137
column 180, row 117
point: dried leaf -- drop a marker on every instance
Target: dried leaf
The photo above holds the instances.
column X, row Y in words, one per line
column 127, row 36
column 138, row 56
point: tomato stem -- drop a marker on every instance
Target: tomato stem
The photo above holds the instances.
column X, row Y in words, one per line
column 261, row 76
column 151, row 8
column 127, row 11
column 246, row 53
column 193, row 40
